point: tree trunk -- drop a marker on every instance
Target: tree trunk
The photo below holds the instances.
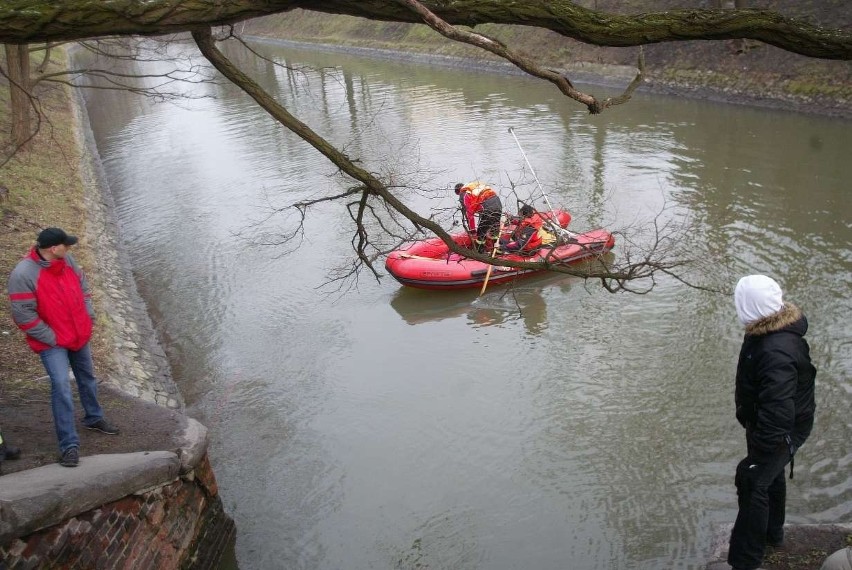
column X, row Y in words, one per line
column 30, row 21
column 18, row 66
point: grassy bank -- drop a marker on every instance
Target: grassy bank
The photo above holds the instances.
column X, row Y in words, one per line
column 44, row 189
column 736, row 71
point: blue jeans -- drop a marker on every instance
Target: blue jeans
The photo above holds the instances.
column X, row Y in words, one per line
column 56, row 361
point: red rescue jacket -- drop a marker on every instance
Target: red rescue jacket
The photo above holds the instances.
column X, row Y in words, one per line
column 471, row 196
column 530, row 234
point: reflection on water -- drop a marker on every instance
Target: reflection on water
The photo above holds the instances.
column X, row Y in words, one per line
column 546, row 424
column 522, row 300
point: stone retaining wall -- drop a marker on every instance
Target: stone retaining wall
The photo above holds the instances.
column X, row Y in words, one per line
column 177, row 524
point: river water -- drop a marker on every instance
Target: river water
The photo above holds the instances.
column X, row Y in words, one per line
column 546, row 425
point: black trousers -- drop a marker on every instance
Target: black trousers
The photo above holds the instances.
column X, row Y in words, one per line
column 762, row 496
column 489, row 217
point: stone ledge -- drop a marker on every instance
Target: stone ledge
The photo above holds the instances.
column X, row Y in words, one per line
column 44, row 496
column 41, row 497
column 193, row 445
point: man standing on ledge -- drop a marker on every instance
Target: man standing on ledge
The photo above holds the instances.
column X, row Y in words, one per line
column 52, row 304
column 775, row 405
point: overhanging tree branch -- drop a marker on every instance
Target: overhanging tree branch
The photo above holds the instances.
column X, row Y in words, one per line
column 27, row 21
column 526, row 64
column 204, row 39
column 614, row 278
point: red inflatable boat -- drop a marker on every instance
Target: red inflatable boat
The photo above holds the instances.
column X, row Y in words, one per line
column 429, row 263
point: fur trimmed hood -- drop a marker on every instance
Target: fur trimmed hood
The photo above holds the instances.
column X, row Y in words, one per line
column 788, row 315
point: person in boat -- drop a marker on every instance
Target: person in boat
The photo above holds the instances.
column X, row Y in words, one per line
column 529, row 234
column 478, row 198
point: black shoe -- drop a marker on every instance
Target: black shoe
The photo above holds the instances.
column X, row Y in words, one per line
column 70, row 458
column 103, row 426
column 9, row 451
column 776, row 541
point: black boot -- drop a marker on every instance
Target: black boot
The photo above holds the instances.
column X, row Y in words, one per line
column 10, row 451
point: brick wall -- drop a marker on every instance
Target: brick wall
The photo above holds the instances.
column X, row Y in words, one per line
column 179, row 525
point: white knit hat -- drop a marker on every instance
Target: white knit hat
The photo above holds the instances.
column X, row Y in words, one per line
column 756, row 297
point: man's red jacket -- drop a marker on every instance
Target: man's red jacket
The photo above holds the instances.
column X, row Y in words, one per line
column 51, row 302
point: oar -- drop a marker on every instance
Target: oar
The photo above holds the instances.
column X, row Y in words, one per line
column 493, row 252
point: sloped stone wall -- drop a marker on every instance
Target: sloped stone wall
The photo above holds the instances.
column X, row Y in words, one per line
column 141, row 366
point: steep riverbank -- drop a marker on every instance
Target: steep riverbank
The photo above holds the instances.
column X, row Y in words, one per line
column 736, row 72
column 146, row 497
column 57, row 183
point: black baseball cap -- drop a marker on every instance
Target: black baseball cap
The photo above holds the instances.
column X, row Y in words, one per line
column 50, row 237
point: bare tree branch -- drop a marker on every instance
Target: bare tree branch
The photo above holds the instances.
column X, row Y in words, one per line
column 185, row 69
column 496, row 47
column 45, row 60
column 27, row 113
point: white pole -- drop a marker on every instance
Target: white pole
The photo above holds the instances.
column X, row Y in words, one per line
column 546, row 201
column 543, row 193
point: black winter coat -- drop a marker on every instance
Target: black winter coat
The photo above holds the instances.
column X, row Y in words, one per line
column 775, row 382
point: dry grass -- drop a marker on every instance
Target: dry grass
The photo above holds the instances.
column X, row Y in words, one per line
column 44, row 189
